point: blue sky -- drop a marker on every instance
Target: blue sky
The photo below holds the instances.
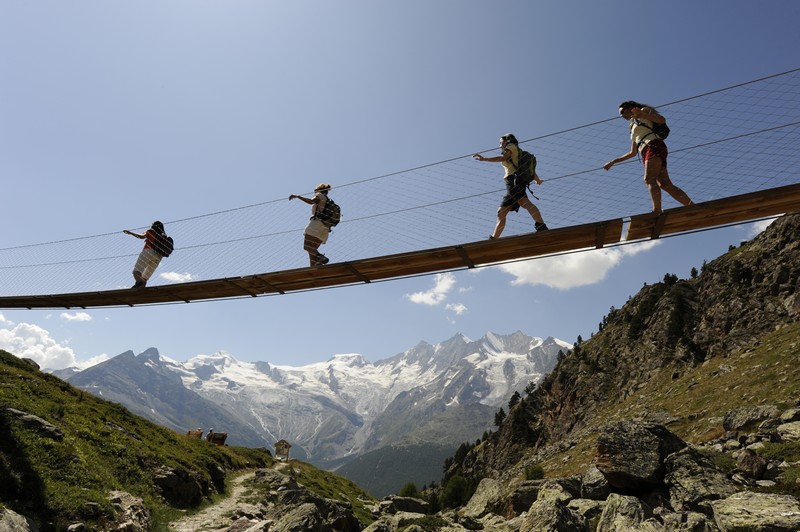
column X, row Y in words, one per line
column 116, row 114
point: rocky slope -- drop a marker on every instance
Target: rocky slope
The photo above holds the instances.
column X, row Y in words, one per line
column 695, row 355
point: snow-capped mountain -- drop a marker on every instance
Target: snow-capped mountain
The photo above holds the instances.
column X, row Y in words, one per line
column 335, row 409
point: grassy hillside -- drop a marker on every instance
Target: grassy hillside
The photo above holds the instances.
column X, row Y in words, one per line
column 692, row 403
column 104, row 447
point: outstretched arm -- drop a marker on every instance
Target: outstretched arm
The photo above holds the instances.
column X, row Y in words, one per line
column 631, row 153
column 306, row 200
column 137, row 235
column 499, row 159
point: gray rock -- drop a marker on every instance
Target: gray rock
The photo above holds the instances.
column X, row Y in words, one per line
column 406, row 504
column 792, row 414
column 133, row 515
column 736, row 419
column 623, row 513
column 687, row 522
column 750, row 464
column 179, row 487
column 302, row 518
column 631, row 455
column 37, row 424
column 551, row 514
column 757, row 511
column 594, row 485
column 14, row 522
column 693, row 481
column 486, row 497
column 587, row 508
column 32, row 362
column 523, row 497
column 789, row 432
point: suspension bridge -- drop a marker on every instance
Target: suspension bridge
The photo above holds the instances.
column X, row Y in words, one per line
column 733, row 150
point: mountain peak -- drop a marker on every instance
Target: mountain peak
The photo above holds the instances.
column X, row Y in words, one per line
column 353, row 360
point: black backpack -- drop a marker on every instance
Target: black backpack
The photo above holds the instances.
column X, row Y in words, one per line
column 331, row 214
column 662, row 130
column 526, row 168
column 163, row 245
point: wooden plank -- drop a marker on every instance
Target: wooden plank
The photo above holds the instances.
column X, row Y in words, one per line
column 717, row 212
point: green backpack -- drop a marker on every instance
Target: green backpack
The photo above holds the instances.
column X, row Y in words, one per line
column 331, row 214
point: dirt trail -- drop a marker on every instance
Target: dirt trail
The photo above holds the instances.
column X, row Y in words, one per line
column 215, row 517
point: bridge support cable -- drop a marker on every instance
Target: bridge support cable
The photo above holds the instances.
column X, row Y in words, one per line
column 728, row 143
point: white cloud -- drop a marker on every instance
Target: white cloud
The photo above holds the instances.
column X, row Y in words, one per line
column 26, row 340
column 92, row 361
column 458, row 308
column 4, row 321
column 573, row 270
column 443, row 283
column 754, row 229
column 176, row 277
column 78, row 316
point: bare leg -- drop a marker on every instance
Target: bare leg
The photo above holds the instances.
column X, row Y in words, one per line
column 532, row 209
column 652, row 170
column 502, row 212
column 665, row 183
column 312, row 244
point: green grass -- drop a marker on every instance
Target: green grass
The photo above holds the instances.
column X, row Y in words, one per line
column 763, row 373
column 104, row 448
column 331, row 486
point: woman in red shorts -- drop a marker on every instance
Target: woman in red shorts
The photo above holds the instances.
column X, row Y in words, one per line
column 653, row 151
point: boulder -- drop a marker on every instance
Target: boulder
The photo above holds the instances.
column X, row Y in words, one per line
column 750, row 464
column 12, row 521
column 693, row 481
column 36, row 424
column 624, row 513
column 631, row 454
column 757, row 511
column 594, row 485
column 131, row 513
column 687, row 522
column 486, row 497
column 178, row 487
column 522, row 497
column 550, row 514
column 736, row 419
column 404, row 504
column 792, row 414
column 789, row 432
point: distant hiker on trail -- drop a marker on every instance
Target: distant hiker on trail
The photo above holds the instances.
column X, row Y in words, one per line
column 324, row 215
column 518, row 175
column 648, row 131
column 157, row 245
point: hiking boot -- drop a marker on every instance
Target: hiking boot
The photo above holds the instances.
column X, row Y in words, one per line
column 540, row 226
column 139, row 284
column 321, row 260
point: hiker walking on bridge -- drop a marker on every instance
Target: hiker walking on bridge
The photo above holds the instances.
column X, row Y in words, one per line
column 516, row 184
column 317, row 231
column 647, row 139
column 149, row 258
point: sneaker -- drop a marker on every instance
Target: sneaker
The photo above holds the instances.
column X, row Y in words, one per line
column 540, row 226
column 321, row 260
column 139, row 284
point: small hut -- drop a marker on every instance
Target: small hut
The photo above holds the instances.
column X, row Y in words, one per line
column 282, row 450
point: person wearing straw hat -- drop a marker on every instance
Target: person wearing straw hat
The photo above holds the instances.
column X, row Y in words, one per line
column 647, row 139
column 316, row 232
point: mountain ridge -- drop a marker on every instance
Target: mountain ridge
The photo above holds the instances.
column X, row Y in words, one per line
column 329, row 410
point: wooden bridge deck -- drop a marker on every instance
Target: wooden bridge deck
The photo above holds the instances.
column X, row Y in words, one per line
column 594, row 235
